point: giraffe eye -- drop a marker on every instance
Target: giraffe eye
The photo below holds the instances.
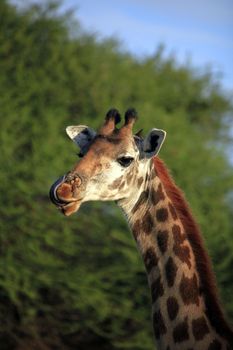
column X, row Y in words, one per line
column 125, row 161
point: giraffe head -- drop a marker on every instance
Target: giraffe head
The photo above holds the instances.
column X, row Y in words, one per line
column 111, row 160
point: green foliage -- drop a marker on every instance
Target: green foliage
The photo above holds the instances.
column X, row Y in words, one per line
column 79, row 283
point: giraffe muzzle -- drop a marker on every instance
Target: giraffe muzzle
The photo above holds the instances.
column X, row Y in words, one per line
column 68, row 191
column 73, row 179
column 65, row 193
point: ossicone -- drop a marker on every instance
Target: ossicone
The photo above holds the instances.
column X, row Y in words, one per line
column 111, row 119
column 113, row 114
column 130, row 116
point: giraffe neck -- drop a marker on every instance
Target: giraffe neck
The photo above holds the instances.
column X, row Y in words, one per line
column 178, row 302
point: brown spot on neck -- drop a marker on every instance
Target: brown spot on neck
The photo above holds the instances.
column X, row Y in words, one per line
column 159, row 325
column 150, row 259
column 144, row 225
column 162, row 240
column 162, row 214
column 147, row 223
column 189, row 290
column 172, row 308
column 157, row 289
column 178, row 237
column 200, row 328
column 170, row 270
column 181, row 250
column 183, row 253
column 157, row 196
column 181, row 331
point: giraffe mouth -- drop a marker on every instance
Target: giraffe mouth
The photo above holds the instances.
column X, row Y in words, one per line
column 53, row 193
column 68, row 206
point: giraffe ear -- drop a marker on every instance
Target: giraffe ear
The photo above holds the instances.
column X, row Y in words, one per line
column 153, row 142
column 82, row 135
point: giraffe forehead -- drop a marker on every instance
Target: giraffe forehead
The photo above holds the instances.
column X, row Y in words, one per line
column 102, row 155
column 112, row 147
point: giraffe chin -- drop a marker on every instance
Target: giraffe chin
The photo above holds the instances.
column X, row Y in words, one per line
column 70, row 208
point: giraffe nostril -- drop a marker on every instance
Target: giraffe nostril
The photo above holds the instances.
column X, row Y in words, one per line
column 78, row 181
column 73, row 179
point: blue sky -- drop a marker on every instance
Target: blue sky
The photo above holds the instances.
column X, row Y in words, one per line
column 198, row 30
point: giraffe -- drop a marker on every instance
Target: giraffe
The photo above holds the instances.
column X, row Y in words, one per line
column 119, row 166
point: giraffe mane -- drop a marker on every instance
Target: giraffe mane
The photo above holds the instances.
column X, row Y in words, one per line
column 204, row 267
